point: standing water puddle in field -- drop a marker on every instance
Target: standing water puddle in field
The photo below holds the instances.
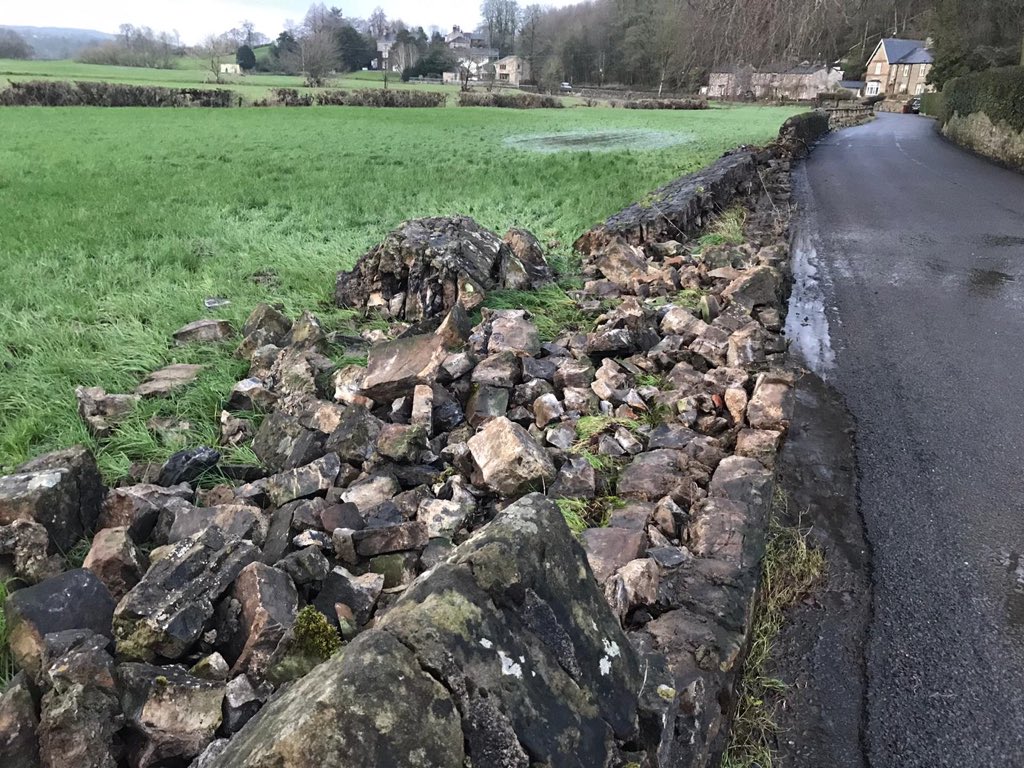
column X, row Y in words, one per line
column 598, row 141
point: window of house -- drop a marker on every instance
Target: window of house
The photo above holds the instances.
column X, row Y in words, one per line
column 873, row 88
column 919, row 89
column 906, row 71
column 878, row 67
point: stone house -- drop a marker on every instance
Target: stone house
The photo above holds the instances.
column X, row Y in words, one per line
column 778, row 82
column 511, row 70
column 472, row 53
column 898, row 68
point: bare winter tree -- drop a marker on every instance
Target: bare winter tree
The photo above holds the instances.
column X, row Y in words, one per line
column 212, row 50
column 320, row 55
column 377, row 24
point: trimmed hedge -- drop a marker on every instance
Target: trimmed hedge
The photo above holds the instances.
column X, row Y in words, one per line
column 999, row 93
column 60, row 93
column 509, row 100
column 367, row 97
column 666, row 104
column 933, row 104
column 376, row 97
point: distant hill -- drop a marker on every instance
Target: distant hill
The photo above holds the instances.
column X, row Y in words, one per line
column 59, row 42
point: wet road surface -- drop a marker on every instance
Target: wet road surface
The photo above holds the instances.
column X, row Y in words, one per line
column 911, row 254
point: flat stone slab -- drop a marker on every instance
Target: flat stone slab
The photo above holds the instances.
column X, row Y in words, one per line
column 168, row 379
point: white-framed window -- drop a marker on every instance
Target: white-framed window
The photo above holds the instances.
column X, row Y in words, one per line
column 906, row 71
column 919, row 89
column 873, row 88
column 878, row 67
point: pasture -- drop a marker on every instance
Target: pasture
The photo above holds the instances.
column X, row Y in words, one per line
column 116, row 224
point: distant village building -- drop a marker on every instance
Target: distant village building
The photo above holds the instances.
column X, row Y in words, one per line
column 899, row 68
column 230, row 69
column 512, row 70
column 472, row 53
column 780, row 82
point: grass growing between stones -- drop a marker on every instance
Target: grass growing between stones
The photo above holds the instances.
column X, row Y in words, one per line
column 727, row 229
column 116, row 224
column 581, row 514
column 554, row 312
column 790, row 570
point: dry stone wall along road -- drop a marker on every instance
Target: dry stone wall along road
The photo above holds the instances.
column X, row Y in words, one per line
column 914, row 252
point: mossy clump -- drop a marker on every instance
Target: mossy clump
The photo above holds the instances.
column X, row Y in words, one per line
column 314, row 635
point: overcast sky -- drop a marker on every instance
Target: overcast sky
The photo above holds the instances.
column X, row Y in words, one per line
column 194, row 19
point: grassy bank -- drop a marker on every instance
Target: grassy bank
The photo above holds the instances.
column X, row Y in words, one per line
column 116, row 224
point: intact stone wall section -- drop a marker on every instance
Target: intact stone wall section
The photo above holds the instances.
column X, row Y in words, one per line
column 977, row 132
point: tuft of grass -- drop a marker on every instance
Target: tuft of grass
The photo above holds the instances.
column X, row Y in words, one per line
column 75, row 556
column 553, row 311
column 581, row 514
column 791, row 570
column 727, row 229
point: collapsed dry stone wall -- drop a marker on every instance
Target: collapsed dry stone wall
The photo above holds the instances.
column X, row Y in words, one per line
column 408, row 509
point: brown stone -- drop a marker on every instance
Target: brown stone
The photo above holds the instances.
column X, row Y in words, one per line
column 633, row 585
column 608, row 549
column 771, row 405
column 760, row 444
column 507, row 460
column 115, row 559
column 392, row 538
column 27, row 544
column 268, row 606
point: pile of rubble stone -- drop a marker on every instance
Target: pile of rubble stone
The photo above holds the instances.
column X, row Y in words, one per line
column 661, row 417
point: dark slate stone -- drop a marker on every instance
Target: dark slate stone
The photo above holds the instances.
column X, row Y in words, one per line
column 188, row 466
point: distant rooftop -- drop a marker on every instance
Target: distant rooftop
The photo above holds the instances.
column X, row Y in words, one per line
column 900, row 51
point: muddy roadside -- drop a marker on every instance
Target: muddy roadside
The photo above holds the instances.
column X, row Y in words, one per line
column 820, row 652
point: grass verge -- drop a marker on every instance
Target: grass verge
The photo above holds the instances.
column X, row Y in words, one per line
column 791, row 570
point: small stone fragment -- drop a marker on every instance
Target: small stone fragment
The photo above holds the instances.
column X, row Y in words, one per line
column 205, row 331
column 169, row 379
column 116, row 560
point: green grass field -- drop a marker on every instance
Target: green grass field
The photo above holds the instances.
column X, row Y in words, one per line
column 192, row 73
column 115, row 224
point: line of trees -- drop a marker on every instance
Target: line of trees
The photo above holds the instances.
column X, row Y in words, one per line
column 14, row 46
column 136, row 47
column 675, row 43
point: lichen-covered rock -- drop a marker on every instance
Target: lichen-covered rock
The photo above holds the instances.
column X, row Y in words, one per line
column 503, row 652
column 80, row 712
column 164, row 614
column 662, row 472
column 62, row 491
column 27, row 544
column 19, row 744
column 427, row 266
column 507, row 459
column 171, row 715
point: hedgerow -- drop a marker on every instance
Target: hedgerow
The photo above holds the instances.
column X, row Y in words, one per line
column 60, row 93
column 999, row 93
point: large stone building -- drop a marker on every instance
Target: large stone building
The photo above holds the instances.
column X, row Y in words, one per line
column 780, row 82
column 898, row 68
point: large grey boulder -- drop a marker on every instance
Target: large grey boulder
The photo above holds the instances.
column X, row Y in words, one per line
column 427, row 266
column 164, row 614
column 506, row 654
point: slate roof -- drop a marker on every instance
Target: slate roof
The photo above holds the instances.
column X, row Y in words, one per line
column 853, row 84
column 901, row 51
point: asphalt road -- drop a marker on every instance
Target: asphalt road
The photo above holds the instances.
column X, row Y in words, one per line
column 911, row 255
